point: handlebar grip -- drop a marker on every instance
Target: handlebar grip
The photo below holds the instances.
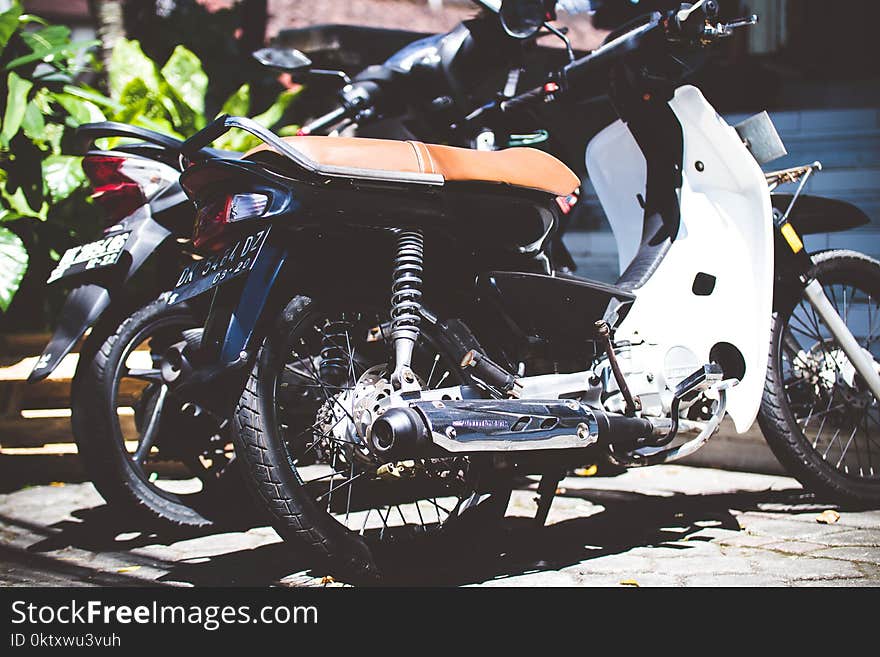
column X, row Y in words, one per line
column 533, row 96
column 324, row 121
column 581, row 71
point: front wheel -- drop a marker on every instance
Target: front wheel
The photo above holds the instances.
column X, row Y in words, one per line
column 818, row 416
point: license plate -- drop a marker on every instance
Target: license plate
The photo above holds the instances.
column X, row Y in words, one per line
column 94, row 255
column 201, row 276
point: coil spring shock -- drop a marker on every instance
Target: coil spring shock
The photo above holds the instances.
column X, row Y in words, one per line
column 335, row 366
column 406, row 302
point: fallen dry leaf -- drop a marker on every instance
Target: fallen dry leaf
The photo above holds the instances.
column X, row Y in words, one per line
column 56, row 484
column 828, row 517
column 327, row 579
column 588, row 471
column 629, row 582
column 127, row 569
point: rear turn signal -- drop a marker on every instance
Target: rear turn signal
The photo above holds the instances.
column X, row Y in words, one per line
column 213, row 228
column 116, row 192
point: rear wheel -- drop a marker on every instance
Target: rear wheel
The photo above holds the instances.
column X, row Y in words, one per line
column 818, row 416
column 146, row 451
column 296, row 429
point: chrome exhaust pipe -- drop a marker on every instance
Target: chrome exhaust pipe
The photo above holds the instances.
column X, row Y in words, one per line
column 509, row 425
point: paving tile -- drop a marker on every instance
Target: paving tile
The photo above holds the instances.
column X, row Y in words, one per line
column 854, row 553
column 664, row 526
column 724, row 579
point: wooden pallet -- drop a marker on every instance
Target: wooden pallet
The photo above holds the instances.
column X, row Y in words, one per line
column 33, row 415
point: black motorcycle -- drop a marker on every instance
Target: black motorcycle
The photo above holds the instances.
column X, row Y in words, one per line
column 165, row 457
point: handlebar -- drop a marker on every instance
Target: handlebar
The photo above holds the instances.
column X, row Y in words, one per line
column 581, row 69
column 330, row 118
column 358, row 101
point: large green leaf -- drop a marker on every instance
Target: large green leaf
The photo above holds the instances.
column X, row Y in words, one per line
column 9, row 24
column 13, row 265
column 52, row 53
column 127, row 63
column 16, row 103
column 96, row 97
column 135, row 99
column 47, row 38
column 63, row 175
column 239, row 103
column 273, row 115
column 81, row 111
column 141, row 107
column 183, row 72
column 19, row 206
column 33, row 124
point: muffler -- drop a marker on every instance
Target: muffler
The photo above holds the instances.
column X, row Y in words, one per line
column 428, row 428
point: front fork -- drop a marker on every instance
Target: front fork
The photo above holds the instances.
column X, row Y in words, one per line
column 815, row 294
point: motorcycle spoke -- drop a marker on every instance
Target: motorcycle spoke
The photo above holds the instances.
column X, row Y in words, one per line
column 152, row 428
column 846, row 449
column 431, row 374
column 329, row 397
column 149, row 375
column 822, row 424
column 806, row 334
column 348, row 499
column 333, row 489
column 830, row 444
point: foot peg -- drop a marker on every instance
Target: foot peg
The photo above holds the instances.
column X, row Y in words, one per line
column 708, row 376
column 703, row 379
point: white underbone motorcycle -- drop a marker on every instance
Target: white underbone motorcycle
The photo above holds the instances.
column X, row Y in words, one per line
column 485, row 365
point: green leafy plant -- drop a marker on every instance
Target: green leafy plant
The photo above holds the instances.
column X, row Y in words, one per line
column 42, row 186
column 171, row 99
column 38, row 63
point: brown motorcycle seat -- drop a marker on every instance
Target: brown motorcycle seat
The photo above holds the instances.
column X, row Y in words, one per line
column 520, row 167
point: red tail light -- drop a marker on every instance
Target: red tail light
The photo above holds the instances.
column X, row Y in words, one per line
column 117, row 193
column 213, row 229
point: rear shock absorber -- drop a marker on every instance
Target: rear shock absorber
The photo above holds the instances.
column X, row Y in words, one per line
column 406, row 304
column 335, row 352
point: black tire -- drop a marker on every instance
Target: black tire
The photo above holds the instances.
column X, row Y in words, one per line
column 100, row 438
column 273, row 475
column 784, row 412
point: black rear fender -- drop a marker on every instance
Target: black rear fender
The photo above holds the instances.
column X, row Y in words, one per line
column 83, row 307
column 93, row 295
column 816, row 214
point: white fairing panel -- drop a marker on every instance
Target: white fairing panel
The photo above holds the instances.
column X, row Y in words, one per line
column 726, row 232
column 618, row 173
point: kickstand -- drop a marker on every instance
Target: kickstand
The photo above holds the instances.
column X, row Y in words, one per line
column 546, row 493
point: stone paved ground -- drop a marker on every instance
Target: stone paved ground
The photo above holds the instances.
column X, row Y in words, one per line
column 664, row 526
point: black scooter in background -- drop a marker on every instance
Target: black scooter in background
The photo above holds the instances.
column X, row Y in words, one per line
column 113, row 401
column 145, row 450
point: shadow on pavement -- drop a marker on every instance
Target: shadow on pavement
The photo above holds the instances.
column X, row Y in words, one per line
column 628, row 520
